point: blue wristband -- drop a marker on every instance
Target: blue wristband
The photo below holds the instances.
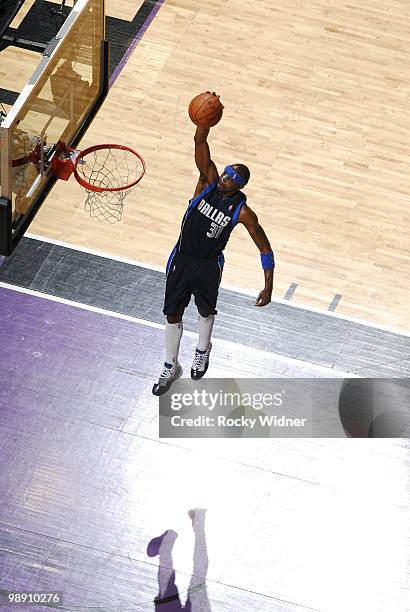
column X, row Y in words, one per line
column 268, row 261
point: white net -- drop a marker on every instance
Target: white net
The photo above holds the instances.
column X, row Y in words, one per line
column 113, row 170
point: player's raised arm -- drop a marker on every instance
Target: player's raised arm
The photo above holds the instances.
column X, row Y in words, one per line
column 249, row 219
column 202, row 183
column 203, row 159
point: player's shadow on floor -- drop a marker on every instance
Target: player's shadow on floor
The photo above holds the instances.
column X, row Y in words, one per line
column 168, row 599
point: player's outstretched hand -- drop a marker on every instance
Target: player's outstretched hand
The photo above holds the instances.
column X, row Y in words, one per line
column 264, row 297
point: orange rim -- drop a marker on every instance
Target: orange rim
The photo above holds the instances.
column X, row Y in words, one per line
column 84, row 183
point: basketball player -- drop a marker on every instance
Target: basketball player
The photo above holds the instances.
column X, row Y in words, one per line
column 195, row 265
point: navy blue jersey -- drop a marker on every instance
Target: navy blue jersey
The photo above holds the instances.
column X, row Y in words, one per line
column 208, row 223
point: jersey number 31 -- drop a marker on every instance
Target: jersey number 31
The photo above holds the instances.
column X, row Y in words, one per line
column 214, row 231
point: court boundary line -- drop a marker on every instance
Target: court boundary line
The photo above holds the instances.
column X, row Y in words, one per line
column 96, row 309
column 190, row 334
column 74, row 247
column 137, row 38
column 240, row 290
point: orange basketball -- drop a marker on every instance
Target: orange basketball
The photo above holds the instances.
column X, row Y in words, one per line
column 205, row 109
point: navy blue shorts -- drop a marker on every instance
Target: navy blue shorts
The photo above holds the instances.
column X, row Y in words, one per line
column 187, row 276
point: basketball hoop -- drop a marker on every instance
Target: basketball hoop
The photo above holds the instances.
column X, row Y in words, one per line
column 108, row 172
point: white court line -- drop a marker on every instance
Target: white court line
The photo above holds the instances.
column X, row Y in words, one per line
column 227, row 345
column 110, row 313
column 103, row 311
column 239, row 290
column 74, row 247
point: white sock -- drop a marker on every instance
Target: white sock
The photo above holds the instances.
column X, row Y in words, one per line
column 205, row 331
column 173, row 335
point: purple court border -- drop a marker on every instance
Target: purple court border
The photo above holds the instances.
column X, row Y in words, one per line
column 135, row 41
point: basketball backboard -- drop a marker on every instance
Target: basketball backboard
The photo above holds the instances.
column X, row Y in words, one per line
column 58, row 103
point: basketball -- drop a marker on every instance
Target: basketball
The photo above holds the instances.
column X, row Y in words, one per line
column 205, row 109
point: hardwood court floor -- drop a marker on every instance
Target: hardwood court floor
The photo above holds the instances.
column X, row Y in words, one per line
column 293, row 525
column 315, row 98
